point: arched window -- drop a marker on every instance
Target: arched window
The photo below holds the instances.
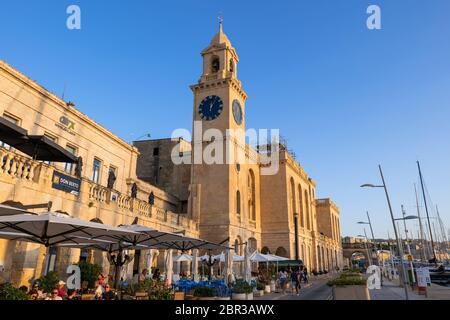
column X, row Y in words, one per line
column 300, row 205
column 265, row 250
column 252, row 244
column 236, row 246
column 292, row 196
column 231, row 65
column 252, row 196
column 308, row 222
column 215, row 64
column 281, row 252
column 238, row 202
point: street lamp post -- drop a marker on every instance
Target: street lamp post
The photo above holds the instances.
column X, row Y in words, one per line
column 393, row 224
column 371, row 231
column 365, row 244
column 413, row 280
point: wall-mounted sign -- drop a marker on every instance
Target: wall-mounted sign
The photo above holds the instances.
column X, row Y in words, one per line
column 66, row 124
column 66, row 183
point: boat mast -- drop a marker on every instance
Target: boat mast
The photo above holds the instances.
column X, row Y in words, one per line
column 442, row 227
column 426, row 210
column 422, row 244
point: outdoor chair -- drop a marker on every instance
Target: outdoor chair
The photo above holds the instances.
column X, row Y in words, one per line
column 141, row 296
column 87, row 296
column 179, row 296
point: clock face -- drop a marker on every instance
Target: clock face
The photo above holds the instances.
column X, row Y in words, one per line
column 210, row 108
column 237, row 112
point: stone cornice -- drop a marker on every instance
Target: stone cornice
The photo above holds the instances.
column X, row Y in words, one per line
column 214, row 83
column 327, row 202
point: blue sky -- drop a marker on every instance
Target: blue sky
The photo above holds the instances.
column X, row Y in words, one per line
column 346, row 98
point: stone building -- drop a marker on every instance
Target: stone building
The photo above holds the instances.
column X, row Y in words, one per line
column 276, row 213
column 25, row 181
column 217, row 201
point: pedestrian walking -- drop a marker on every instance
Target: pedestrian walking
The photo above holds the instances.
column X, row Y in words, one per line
column 283, row 280
column 295, row 279
column 305, row 275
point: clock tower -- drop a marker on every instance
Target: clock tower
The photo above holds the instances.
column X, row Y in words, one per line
column 218, row 187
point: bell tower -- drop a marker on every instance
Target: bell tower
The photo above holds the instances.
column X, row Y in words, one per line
column 219, row 105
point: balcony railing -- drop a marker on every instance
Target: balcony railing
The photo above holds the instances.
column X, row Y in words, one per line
column 18, row 166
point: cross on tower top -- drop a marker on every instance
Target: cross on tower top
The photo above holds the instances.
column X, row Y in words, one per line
column 220, row 18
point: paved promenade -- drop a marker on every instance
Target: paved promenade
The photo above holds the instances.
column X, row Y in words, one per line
column 316, row 289
column 392, row 291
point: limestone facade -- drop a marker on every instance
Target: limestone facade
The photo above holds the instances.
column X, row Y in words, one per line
column 23, row 180
column 234, row 200
column 231, row 202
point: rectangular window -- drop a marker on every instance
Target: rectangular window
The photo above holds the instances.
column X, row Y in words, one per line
column 156, row 151
column 68, row 167
column 96, row 170
column 13, row 120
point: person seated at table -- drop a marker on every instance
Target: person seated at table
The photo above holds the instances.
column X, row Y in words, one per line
column 61, row 290
column 102, row 279
column 72, row 294
column 143, row 276
column 54, row 295
column 108, row 294
column 156, row 274
column 99, row 289
column 35, row 293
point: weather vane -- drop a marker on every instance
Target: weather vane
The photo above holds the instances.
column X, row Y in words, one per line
column 220, row 18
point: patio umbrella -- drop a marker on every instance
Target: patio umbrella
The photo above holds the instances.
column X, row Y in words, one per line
column 183, row 258
column 153, row 238
column 10, row 211
column 10, row 133
column 259, row 257
column 42, row 148
column 168, row 266
column 247, row 264
column 179, row 259
column 53, row 228
column 195, row 265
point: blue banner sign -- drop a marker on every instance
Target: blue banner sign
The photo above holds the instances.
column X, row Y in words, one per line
column 66, row 183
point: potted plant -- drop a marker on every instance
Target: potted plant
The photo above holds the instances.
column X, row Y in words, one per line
column 204, row 293
column 49, row 281
column 242, row 291
column 259, row 290
column 158, row 291
column 223, row 293
column 89, row 272
column 349, row 286
column 8, row 292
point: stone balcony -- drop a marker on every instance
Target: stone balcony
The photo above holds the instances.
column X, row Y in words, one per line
column 35, row 177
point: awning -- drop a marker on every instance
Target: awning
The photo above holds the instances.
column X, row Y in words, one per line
column 11, row 133
column 44, row 149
